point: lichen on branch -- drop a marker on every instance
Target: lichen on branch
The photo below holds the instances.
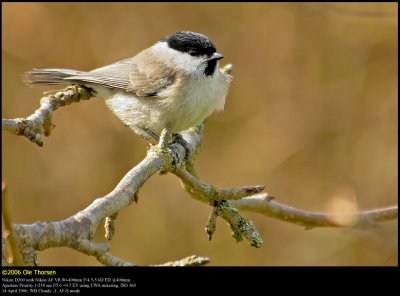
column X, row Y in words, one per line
column 77, row 231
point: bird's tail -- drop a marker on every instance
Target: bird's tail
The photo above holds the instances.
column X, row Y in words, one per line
column 49, row 76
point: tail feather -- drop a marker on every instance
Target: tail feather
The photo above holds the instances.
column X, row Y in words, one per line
column 49, row 76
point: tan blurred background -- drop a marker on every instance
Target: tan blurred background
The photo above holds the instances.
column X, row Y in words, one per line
column 312, row 114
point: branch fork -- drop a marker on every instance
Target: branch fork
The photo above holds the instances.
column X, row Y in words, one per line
column 77, row 231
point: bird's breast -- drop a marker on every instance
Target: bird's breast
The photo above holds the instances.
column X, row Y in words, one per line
column 197, row 99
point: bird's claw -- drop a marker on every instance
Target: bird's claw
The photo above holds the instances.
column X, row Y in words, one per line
column 177, row 138
column 174, row 154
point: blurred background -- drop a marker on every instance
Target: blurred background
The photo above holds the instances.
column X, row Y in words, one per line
column 312, row 114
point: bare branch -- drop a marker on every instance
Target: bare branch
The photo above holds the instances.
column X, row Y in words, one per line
column 263, row 204
column 82, row 226
column 240, row 226
column 77, row 231
column 188, row 261
column 40, row 122
column 212, row 223
column 101, row 252
column 213, row 193
column 13, row 254
column 216, row 197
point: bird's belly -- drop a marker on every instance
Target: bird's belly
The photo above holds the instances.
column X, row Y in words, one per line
column 189, row 115
column 177, row 113
column 140, row 114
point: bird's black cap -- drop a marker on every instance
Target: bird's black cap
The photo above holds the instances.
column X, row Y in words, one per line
column 195, row 44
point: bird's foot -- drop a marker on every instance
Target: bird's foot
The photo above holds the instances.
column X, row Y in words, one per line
column 174, row 154
column 177, row 138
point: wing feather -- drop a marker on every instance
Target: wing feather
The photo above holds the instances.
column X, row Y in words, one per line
column 141, row 75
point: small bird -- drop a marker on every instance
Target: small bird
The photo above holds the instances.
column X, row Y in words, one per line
column 169, row 87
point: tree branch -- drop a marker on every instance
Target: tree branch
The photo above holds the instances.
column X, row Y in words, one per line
column 263, row 204
column 188, row 261
column 212, row 193
column 11, row 254
column 40, row 122
column 78, row 230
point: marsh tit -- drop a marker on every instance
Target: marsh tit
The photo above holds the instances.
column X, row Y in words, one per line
column 169, row 87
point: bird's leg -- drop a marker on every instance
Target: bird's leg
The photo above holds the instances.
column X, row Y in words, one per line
column 152, row 134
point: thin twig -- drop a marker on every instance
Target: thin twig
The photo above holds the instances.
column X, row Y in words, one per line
column 13, row 252
column 213, row 193
column 188, row 261
column 101, row 252
column 262, row 204
column 40, row 122
column 241, row 227
column 77, row 231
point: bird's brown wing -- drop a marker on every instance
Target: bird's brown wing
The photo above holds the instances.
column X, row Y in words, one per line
column 140, row 75
column 149, row 76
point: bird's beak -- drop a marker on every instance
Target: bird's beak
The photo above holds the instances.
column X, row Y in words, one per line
column 216, row 56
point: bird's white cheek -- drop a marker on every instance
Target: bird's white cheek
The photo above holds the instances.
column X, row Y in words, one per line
column 174, row 58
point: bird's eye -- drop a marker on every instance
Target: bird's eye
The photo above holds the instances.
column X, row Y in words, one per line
column 192, row 53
